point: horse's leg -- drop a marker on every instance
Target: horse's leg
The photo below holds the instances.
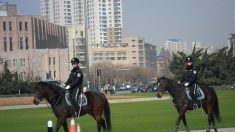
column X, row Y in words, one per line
column 185, row 123
column 181, row 114
column 103, row 124
column 65, row 126
column 209, row 113
column 98, row 118
column 213, row 123
column 60, row 121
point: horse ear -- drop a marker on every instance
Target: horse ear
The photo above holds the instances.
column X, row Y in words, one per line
column 164, row 76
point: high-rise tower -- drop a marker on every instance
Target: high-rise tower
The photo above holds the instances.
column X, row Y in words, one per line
column 102, row 18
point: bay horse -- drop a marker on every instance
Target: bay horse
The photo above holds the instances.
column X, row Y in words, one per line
column 181, row 102
column 97, row 105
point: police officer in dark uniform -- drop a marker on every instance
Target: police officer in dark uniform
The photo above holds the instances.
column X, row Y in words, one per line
column 74, row 82
column 189, row 78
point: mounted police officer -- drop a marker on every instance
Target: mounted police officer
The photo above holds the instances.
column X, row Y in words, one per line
column 189, row 79
column 73, row 85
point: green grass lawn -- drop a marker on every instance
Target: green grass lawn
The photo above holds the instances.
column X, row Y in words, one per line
column 149, row 116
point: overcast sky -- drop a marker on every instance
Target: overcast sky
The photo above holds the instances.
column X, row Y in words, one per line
column 207, row 21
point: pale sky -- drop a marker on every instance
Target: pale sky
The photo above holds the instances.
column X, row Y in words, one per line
column 207, row 21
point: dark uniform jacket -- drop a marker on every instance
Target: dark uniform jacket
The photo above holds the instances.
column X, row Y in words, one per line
column 75, row 78
column 190, row 75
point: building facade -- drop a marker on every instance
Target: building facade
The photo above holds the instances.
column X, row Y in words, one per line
column 77, row 44
column 231, row 43
column 7, row 9
column 29, row 44
column 134, row 52
column 175, row 45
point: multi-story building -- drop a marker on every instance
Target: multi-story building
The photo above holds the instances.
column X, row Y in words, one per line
column 231, row 43
column 33, row 47
column 77, row 44
column 175, row 45
column 7, row 9
column 198, row 46
column 101, row 21
column 132, row 52
column 102, row 18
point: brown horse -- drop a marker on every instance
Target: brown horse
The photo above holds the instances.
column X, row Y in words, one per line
column 97, row 104
column 209, row 103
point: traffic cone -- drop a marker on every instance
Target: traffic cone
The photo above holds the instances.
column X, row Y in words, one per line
column 78, row 128
column 72, row 125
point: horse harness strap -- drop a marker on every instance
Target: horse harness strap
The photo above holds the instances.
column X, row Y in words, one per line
column 57, row 99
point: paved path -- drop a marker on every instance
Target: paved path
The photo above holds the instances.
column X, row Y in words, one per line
column 219, row 130
column 110, row 101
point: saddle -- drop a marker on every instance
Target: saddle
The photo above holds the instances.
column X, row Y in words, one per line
column 81, row 100
column 197, row 92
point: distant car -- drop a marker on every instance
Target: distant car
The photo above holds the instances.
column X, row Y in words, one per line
column 136, row 88
column 152, row 87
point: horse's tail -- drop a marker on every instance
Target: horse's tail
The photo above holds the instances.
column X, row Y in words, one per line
column 107, row 115
column 216, row 112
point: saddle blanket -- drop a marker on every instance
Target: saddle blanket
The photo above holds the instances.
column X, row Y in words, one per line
column 197, row 92
column 81, row 100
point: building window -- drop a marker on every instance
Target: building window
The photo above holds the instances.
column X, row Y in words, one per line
column 20, row 26
column 22, row 62
column 14, row 62
column 10, row 26
column 4, row 26
column 81, row 33
column 53, row 60
column 21, row 42
column 27, row 42
column 26, row 26
column 49, row 60
column 11, row 44
column 54, row 74
column 5, row 44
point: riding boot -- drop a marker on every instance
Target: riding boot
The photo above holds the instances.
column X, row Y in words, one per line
column 195, row 106
column 73, row 102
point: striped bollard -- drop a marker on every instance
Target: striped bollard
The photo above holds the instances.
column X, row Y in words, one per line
column 78, row 127
column 49, row 126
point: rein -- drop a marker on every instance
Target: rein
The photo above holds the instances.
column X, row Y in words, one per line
column 60, row 95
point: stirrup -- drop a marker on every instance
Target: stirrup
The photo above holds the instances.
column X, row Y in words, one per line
column 195, row 106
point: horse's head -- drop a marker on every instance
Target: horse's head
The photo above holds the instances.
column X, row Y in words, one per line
column 40, row 93
column 162, row 83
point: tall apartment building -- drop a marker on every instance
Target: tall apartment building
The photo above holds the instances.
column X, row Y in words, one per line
column 102, row 18
column 77, row 43
column 175, row 45
column 33, row 47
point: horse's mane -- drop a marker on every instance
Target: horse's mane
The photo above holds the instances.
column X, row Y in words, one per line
column 174, row 83
column 169, row 80
column 53, row 87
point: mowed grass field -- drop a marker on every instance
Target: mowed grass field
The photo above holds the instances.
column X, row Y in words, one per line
column 148, row 116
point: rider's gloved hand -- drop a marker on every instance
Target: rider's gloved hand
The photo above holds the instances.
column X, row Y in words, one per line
column 179, row 82
column 186, row 84
column 62, row 85
column 68, row 87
